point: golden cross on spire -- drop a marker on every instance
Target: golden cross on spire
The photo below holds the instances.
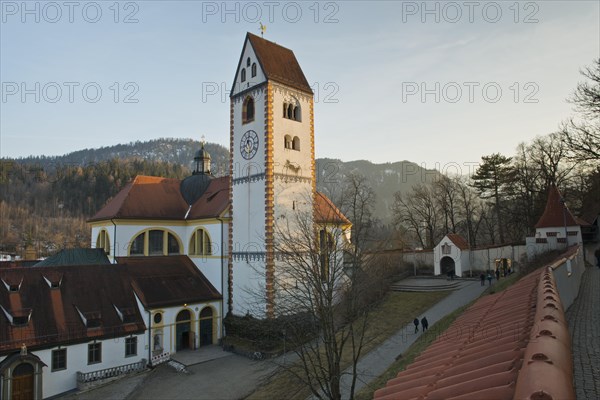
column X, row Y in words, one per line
column 263, row 29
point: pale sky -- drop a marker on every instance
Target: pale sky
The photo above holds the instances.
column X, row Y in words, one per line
column 436, row 83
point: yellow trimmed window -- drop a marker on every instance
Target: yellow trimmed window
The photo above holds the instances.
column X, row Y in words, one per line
column 154, row 242
column 200, row 243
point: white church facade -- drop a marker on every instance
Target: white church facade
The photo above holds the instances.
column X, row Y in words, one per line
column 181, row 254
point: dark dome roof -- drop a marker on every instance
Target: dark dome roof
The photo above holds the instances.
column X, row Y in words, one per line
column 193, row 187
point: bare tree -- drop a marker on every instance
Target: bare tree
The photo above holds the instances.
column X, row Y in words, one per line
column 322, row 289
column 418, row 212
column 582, row 135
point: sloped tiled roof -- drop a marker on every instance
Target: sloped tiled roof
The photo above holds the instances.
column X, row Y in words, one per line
column 458, row 241
column 167, row 280
column 76, row 257
column 479, row 356
column 54, row 315
column 150, row 197
column 497, row 349
column 279, row 63
column 556, row 214
column 326, row 212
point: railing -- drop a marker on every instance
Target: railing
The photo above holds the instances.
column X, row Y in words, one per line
column 160, row 358
column 85, row 380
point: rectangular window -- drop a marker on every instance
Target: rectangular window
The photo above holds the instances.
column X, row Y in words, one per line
column 94, row 353
column 156, row 243
column 131, row 346
column 59, row 359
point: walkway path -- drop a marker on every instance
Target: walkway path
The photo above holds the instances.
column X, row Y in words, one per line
column 584, row 323
column 377, row 361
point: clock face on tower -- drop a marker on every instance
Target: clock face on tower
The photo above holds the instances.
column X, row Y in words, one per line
column 249, row 145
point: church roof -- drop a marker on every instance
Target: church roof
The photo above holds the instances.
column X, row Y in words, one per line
column 327, row 213
column 168, row 280
column 278, row 63
column 150, row 197
column 54, row 312
column 458, row 241
column 556, row 214
column 75, row 257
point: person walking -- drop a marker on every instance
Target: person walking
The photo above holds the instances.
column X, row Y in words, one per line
column 489, row 278
column 482, row 278
column 497, row 274
column 416, row 322
column 424, row 323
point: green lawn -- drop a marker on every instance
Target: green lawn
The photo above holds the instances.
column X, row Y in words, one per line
column 395, row 311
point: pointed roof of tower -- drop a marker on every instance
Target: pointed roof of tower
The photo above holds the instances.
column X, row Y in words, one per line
column 278, row 63
column 553, row 214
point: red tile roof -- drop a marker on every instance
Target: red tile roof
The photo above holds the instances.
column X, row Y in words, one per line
column 55, row 318
column 168, row 280
column 556, row 214
column 458, row 240
column 150, row 197
column 278, row 63
column 481, row 355
column 326, row 212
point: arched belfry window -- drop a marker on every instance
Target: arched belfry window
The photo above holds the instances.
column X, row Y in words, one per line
column 243, row 78
column 248, row 110
column 292, row 110
column 296, row 143
column 253, row 70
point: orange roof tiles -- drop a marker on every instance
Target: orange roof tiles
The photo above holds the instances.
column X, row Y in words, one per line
column 481, row 355
column 556, row 214
column 326, row 212
column 458, row 240
column 150, row 197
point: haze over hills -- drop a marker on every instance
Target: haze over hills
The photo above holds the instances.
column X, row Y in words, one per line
column 385, row 179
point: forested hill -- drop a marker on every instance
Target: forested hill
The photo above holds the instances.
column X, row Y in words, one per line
column 46, row 200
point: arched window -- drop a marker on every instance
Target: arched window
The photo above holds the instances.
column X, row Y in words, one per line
column 296, row 143
column 285, row 110
column 290, row 111
column 200, row 244
column 155, row 242
column 248, row 62
column 243, row 78
column 297, row 113
column 253, row 70
column 287, row 141
column 248, row 110
column 103, row 241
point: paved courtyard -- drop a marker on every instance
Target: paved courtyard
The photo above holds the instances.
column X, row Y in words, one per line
column 584, row 323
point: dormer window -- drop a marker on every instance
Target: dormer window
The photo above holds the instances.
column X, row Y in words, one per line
column 17, row 317
column 126, row 315
column 90, row 319
column 53, row 281
column 12, row 285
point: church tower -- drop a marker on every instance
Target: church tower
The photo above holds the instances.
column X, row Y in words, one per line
column 272, row 166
